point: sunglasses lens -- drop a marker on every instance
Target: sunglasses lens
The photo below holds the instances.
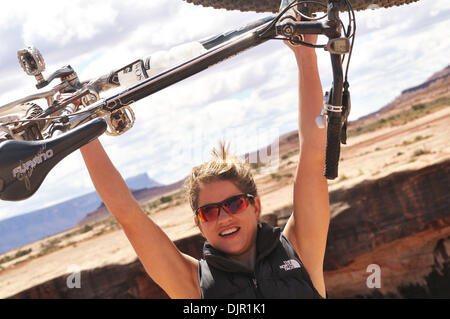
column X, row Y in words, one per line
column 208, row 213
column 233, row 205
column 236, row 205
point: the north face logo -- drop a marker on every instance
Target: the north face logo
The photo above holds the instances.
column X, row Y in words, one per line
column 290, row 264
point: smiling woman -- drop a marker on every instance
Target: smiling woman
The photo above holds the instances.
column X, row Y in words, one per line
column 239, row 248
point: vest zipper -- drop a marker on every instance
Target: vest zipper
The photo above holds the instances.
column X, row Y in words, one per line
column 255, row 286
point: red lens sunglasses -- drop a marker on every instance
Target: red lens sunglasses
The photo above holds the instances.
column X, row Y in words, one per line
column 232, row 205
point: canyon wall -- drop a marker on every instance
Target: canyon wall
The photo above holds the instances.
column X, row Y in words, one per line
column 380, row 211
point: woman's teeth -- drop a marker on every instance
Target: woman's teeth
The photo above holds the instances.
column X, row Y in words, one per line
column 229, row 231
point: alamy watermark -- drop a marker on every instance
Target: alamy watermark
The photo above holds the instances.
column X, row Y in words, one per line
column 259, row 147
column 74, row 279
column 373, row 280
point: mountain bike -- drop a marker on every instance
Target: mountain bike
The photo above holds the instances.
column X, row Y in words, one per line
column 34, row 138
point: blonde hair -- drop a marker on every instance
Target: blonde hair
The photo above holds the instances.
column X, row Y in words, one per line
column 223, row 166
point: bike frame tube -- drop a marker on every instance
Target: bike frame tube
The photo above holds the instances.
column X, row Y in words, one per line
column 215, row 55
column 221, row 47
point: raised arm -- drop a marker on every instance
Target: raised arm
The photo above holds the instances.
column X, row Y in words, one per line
column 173, row 271
column 307, row 228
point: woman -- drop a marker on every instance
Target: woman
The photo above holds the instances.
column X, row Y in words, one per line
column 243, row 257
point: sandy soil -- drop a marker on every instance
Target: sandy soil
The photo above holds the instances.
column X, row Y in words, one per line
column 368, row 156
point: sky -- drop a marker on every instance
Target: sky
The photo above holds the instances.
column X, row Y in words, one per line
column 248, row 100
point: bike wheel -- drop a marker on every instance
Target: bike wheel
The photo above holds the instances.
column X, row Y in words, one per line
column 273, row 5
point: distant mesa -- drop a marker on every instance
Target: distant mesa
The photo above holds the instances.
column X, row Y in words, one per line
column 435, row 86
column 436, row 77
column 142, row 195
column 141, row 181
column 23, row 229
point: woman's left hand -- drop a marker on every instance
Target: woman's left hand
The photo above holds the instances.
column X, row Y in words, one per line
column 299, row 49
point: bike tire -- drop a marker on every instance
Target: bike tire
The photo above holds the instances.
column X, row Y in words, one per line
column 333, row 147
column 273, row 5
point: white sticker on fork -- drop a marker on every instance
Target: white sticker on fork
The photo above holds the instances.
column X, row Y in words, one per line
column 132, row 74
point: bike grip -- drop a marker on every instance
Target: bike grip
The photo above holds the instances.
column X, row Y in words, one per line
column 333, row 147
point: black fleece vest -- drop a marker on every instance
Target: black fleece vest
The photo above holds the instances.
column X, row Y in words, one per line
column 278, row 273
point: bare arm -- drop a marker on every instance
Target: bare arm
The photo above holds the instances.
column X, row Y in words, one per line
column 172, row 270
column 307, row 228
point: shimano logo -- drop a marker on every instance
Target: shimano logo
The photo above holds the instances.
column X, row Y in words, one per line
column 26, row 169
column 290, row 264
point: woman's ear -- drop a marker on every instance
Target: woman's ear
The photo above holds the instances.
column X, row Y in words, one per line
column 257, row 204
column 197, row 223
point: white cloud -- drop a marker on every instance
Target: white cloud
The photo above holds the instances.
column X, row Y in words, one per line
column 66, row 21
